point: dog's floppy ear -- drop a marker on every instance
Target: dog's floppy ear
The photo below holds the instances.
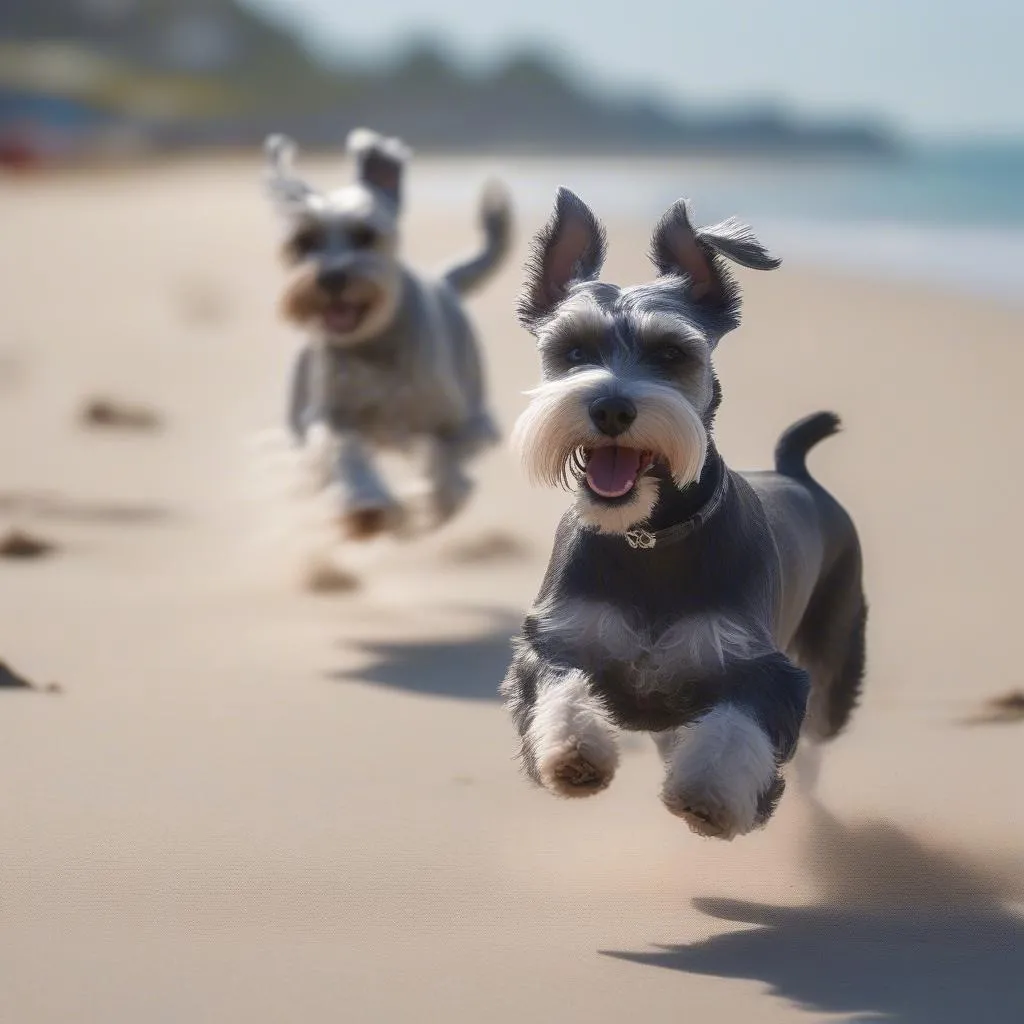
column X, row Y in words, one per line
column 570, row 248
column 380, row 162
column 676, row 248
column 288, row 192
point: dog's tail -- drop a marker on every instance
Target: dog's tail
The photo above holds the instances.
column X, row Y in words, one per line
column 496, row 220
column 796, row 441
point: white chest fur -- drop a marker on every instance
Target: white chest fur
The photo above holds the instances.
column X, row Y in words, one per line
column 691, row 648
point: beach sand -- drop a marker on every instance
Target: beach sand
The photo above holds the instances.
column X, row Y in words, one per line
column 252, row 803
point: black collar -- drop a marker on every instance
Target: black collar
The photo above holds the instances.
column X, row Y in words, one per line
column 646, row 539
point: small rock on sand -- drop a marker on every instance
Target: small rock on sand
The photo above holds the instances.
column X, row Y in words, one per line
column 107, row 413
column 10, row 680
column 1001, row 710
column 19, row 544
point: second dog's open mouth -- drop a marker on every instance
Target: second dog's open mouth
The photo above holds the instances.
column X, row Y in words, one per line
column 612, row 471
column 343, row 316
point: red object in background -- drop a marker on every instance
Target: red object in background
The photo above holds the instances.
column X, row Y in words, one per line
column 19, row 151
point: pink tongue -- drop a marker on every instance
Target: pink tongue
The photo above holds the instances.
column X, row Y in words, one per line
column 612, row 471
column 342, row 317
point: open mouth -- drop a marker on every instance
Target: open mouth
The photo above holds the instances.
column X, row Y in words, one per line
column 612, row 471
column 343, row 316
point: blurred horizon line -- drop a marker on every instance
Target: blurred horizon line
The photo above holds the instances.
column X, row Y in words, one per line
column 228, row 72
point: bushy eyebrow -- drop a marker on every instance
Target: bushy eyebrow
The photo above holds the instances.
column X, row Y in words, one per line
column 663, row 326
column 577, row 319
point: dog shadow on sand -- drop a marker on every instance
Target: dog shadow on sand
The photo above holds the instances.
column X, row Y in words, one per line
column 462, row 668
column 902, row 932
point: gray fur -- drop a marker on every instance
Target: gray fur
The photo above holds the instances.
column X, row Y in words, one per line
column 401, row 369
column 735, row 240
column 495, row 219
column 698, row 259
column 286, row 190
column 380, row 162
column 697, row 591
column 421, row 375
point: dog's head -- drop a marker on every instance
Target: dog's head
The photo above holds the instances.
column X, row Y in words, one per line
column 629, row 393
column 341, row 246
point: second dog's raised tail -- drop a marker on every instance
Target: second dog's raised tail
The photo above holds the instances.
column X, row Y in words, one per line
column 496, row 221
column 797, row 440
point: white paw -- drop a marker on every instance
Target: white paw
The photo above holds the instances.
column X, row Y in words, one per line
column 572, row 738
column 718, row 773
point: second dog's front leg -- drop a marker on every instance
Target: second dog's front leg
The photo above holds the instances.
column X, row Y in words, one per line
column 723, row 770
column 450, row 486
column 569, row 741
column 367, row 508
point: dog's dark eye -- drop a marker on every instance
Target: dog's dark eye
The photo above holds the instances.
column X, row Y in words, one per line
column 667, row 354
column 306, row 241
column 579, row 355
column 362, row 237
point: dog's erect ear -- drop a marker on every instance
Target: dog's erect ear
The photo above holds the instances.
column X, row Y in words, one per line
column 380, row 162
column 570, row 248
column 677, row 248
column 288, row 192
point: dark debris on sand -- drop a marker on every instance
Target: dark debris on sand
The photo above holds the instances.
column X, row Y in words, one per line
column 110, row 414
column 19, row 544
column 1001, row 710
column 10, row 680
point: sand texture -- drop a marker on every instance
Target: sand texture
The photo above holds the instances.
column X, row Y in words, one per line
column 251, row 803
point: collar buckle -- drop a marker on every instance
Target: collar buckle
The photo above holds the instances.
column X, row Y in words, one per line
column 640, row 539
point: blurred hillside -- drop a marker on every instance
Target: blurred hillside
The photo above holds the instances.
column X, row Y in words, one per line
column 190, row 72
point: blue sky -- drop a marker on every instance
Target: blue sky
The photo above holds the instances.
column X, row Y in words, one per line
column 934, row 67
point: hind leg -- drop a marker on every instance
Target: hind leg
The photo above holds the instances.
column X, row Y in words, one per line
column 830, row 644
column 448, row 456
column 450, row 486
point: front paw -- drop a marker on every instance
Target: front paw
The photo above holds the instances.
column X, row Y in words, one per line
column 723, row 778
column 571, row 739
column 365, row 523
column 706, row 815
column 581, row 769
column 711, row 814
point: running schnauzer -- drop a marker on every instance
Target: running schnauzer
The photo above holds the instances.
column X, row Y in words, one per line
column 720, row 611
column 392, row 361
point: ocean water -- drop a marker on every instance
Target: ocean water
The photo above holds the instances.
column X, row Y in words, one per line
column 952, row 218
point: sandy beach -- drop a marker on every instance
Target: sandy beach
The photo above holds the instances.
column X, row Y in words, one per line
column 249, row 803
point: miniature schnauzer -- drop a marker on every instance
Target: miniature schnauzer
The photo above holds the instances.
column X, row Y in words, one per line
column 392, row 360
column 720, row 611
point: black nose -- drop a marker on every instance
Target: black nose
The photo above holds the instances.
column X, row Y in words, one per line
column 332, row 279
column 612, row 415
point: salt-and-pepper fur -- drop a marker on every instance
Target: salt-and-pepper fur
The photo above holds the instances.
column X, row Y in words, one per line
column 722, row 612
column 391, row 360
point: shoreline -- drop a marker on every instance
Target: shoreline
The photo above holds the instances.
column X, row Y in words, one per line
column 983, row 260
